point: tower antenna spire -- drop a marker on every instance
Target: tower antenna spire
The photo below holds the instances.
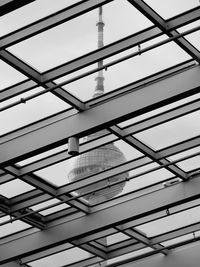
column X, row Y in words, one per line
column 99, row 89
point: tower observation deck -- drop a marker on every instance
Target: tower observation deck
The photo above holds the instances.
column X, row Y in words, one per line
column 102, row 158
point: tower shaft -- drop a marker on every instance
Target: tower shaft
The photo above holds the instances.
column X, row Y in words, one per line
column 99, row 89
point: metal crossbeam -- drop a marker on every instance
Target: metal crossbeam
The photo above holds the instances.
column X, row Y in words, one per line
column 104, row 115
column 123, row 44
column 100, row 220
column 133, row 129
column 156, row 19
column 145, row 240
column 7, row 6
column 46, row 188
column 148, row 151
column 50, row 21
column 37, row 77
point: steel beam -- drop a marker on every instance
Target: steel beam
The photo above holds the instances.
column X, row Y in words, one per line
column 160, row 22
column 7, row 6
column 145, row 240
column 133, row 129
column 50, row 21
column 186, row 256
column 46, row 188
column 123, row 44
column 163, row 117
column 104, row 115
column 37, row 77
column 99, row 221
column 35, row 197
column 17, row 89
column 131, row 140
column 117, row 47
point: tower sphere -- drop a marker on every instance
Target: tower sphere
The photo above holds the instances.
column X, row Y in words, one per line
column 101, row 158
column 95, row 161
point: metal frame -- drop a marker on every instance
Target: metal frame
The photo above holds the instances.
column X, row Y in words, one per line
column 81, row 225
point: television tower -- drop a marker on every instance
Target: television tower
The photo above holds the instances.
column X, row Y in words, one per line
column 102, row 158
column 99, row 89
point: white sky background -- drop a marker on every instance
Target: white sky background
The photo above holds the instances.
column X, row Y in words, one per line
column 79, row 36
column 75, row 38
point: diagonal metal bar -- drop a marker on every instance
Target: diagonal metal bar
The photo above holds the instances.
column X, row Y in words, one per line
column 100, row 220
column 37, row 77
column 7, row 6
column 50, row 21
column 106, row 114
column 46, row 187
column 143, row 239
column 91, row 249
column 161, row 23
column 121, row 45
column 147, row 151
column 116, row 47
column 135, row 128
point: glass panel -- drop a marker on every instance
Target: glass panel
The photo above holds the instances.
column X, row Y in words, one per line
column 11, row 228
column 171, row 222
column 9, row 75
column 172, row 132
column 130, row 70
column 79, row 36
column 29, row 112
column 30, row 13
column 146, row 179
column 171, row 8
column 194, row 39
column 190, row 164
column 130, row 255
column 189, row 26
column 63, row 168
column 184, row 206
column 43, row 155
column 177, row 240
column 157, row 111
column 55, row 174
column 14, row 188
column 62, row 258
column 115, row 238
column 184, row 153
column 48, row 203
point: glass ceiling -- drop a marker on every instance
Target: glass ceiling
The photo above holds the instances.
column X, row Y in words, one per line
column 51, row 62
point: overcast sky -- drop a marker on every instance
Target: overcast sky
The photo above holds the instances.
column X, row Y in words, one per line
column 75, row 38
